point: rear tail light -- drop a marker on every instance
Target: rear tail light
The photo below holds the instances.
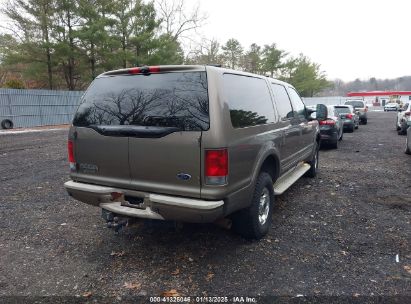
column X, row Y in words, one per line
column 349, row 116
column 216, row 167
column 366, row 109
column 328, row 122
column 407, row 113
column 144, row 70
column 71, row 159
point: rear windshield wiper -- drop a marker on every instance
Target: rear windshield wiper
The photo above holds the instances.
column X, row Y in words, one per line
column 134, row 131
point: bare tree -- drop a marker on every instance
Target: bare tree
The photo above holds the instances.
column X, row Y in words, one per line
column 177, row 20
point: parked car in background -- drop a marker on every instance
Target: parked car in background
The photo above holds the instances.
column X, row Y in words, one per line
column 331, row 129
column 404, row 119
column 408, row 142
column 192, row 144
column 350, row 118
column 392, row 106
column 360, row 107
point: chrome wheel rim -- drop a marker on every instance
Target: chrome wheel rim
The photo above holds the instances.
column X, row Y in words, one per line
column 264, row 206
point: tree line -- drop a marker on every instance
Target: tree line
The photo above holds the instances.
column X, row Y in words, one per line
column 341, row 88
column 65, row 44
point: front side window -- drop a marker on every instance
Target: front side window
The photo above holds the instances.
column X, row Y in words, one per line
column 282, row 101
column 249, row 101
column 298, row 105
column 162, row 100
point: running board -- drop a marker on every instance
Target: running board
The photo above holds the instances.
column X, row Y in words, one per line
column 289, row 178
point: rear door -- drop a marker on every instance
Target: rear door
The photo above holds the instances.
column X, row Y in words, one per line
column 143, row 131
column 170, row 164
column 306, row 142
column 291, row 128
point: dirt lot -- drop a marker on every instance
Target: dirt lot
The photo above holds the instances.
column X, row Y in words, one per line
column 337, row 234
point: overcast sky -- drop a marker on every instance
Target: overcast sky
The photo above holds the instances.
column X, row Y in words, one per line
column 349, row 38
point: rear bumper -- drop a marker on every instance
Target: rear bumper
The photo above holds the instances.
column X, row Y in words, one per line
column 154, row 206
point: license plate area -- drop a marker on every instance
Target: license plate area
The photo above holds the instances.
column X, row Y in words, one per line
column 133, row 202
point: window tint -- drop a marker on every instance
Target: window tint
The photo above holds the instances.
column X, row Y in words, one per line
column 249, row 101
column 298, row 105
column 282, row 101
column 356, row 104
column 165, row 100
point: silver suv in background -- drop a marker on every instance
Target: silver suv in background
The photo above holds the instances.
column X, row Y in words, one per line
column 349, row 117
column 361, row 108
column 191, row 144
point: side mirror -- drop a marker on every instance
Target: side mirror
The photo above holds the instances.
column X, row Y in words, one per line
column 322, row 112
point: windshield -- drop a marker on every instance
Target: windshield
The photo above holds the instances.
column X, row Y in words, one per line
column 165, row 100
column 355, row 104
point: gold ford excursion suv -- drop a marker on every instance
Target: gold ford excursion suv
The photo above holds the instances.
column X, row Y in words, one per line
column 191, row 144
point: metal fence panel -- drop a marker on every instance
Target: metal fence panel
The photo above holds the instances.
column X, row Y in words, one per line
column 29, row 108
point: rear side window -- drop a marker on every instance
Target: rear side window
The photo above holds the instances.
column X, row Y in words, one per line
column 282, row 101
column 249, row 101
column 298, row 105
column 331, row 111
column 164, row 100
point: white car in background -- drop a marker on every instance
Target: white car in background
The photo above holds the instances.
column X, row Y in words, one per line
column 404, row 119
column 392, row 106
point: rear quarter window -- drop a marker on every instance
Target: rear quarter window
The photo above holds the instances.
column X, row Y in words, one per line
column 249, row 100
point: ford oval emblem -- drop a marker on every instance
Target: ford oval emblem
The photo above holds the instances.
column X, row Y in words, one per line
column 183, row 176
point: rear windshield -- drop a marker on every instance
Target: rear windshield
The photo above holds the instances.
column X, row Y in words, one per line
column 342, row 110
column 355, row 104
column 166, row 100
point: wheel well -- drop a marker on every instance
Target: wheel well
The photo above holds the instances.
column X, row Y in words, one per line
column 271, row 166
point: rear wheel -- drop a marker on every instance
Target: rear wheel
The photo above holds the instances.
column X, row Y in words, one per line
column 313, row 164
column 407, row 146
column 255, row 221
column 402, row 130
column 351, row 129
column 364, row 121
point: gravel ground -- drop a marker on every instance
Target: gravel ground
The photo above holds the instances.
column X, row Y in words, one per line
column 335, row 235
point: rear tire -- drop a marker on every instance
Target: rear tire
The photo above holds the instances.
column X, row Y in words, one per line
column 402, row 130
column 364, row 121
column 255, row 221
column 313, row 164
column 334, row 144
column 407, row 149
column 351, row 129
